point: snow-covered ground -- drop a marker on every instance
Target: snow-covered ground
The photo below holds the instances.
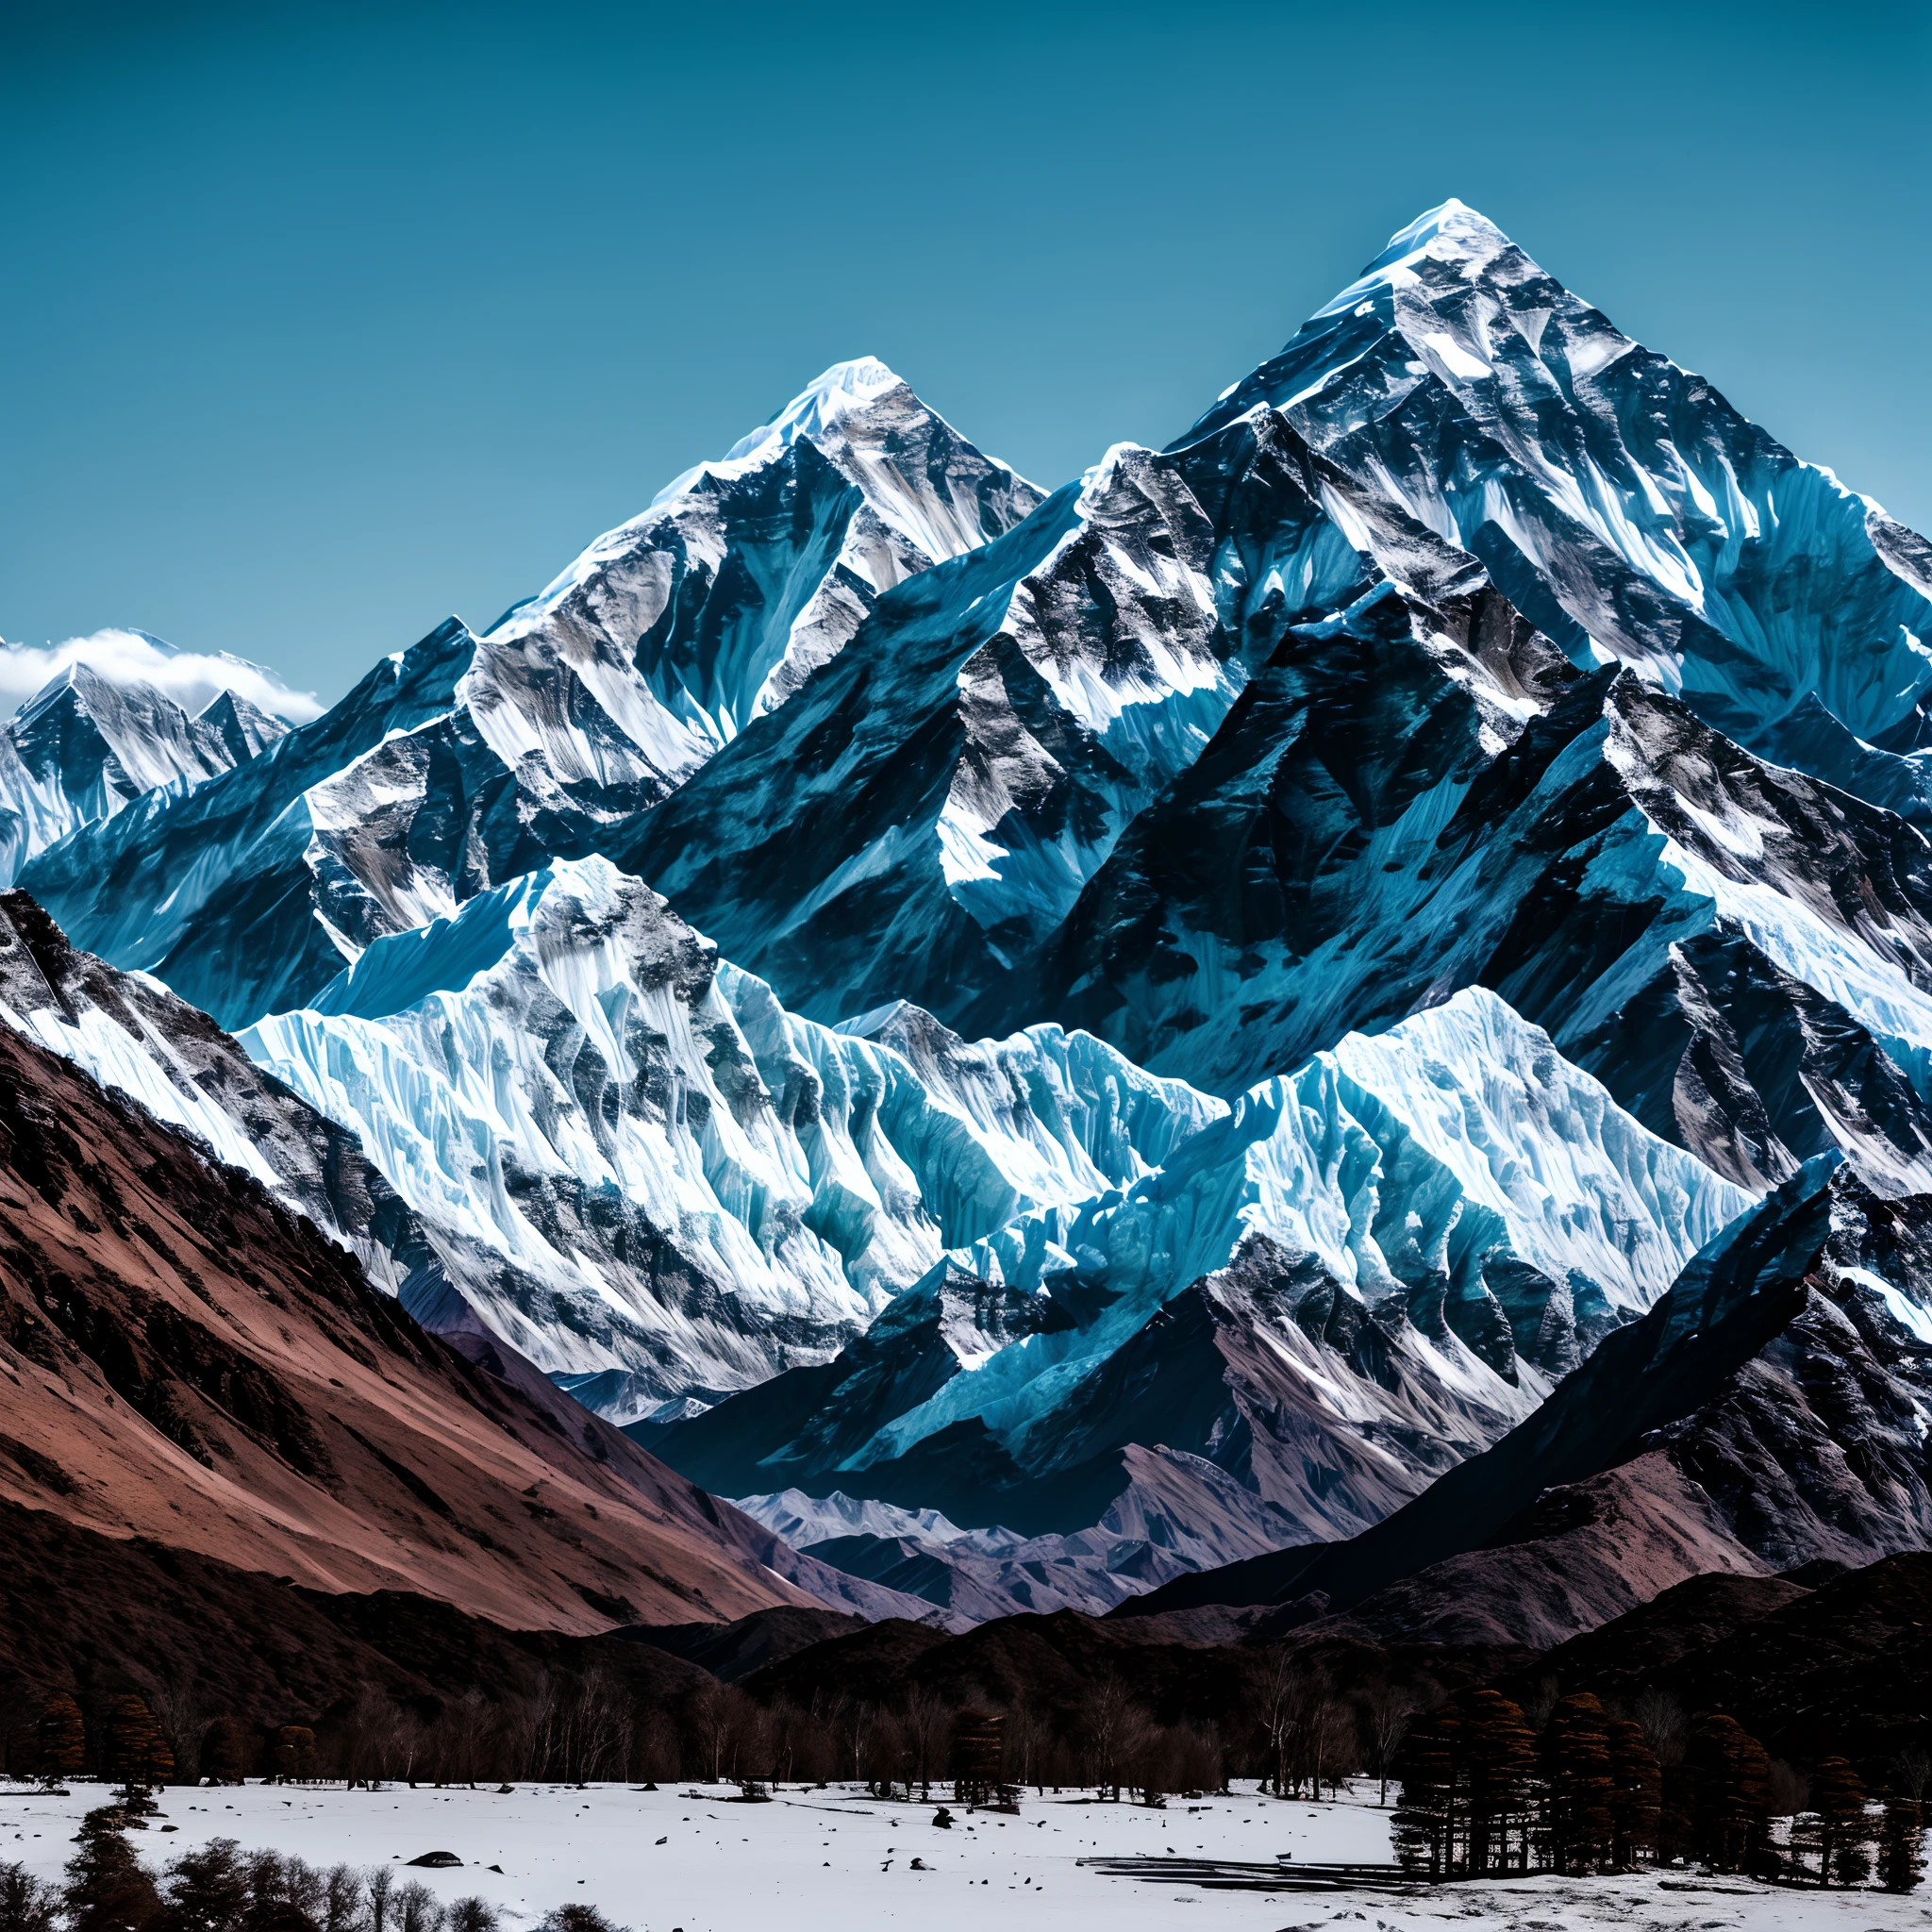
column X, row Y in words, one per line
column 690, row 1860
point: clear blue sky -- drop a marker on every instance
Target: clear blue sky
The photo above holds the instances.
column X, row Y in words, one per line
column 321, row 322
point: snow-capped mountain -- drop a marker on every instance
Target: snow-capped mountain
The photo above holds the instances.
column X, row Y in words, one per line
column 1621, row 501
column 465, row 762
column 1388, row 1253
column 1385, row 783
column 1339, row 911
column 976, row 1573
column 1769, row 1412
column 191, row 1365
column 1741, row 953
column 925, row 813
column 87, row 745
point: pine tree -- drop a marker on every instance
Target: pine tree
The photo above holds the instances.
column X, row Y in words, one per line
column 1838, row 1801
column 107, row 1889
column 1728, row 1796
column 1425, row 1825
column 1900, row 1845
column 1636, row 1795
column 1499, row 1751
column 62, row 1737
column 1577, row 1786
column 138, row 1751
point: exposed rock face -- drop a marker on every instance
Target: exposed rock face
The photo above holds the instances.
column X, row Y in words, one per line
column 1738, row 953
column 187, row 1360
column 922, row 817
column 1769, row 1412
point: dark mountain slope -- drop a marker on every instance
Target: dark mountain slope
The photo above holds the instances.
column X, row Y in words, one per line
column 1845, row 1667
column 97, row 1616
column 1766, row 1414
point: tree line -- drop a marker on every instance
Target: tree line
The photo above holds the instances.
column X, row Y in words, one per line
column 1485, row 1785
column 1487, row 1791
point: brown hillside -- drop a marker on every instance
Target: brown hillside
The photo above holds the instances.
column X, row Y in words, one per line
column 183, row 1359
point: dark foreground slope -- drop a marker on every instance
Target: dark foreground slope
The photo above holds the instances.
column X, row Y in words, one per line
column 99, row 1616
column 1843, row 1666
column 1767, row 1413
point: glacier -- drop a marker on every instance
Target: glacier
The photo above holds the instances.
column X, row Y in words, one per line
column 1360, row 1273
column 708, row 1187
column 1417, row 1163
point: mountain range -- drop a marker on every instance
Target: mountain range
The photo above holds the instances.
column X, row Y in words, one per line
column 1336, row 1016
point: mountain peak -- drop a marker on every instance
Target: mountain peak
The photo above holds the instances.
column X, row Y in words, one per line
column 843, row 387
column 1451, row 231
column 845, row 390
column 72, row 684
column 246, row 729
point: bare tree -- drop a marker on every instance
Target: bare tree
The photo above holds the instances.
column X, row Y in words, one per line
column 1026, row 1741
column 926, row 1722
column 1664, row 1724
column 1107, row 1710
column 177, row 1710
column 1303, row 1723
column 859, row 1720
column 382, row 1907
column 1389, row 1709
column 1278, row 1713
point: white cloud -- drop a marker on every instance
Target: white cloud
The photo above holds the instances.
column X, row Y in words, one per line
column 193, row 679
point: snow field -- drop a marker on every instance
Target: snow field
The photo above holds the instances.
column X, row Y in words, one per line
column 693, row 1860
